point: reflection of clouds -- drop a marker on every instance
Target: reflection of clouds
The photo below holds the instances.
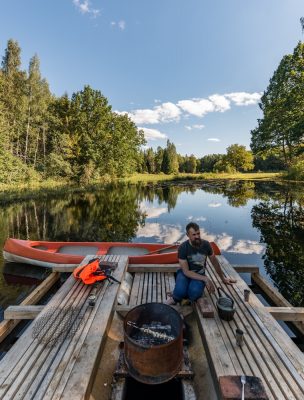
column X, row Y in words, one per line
column 164, row 233
column 191, row 218
column 247, row 247
column 225, row 243
column 152, row 212
column 171, row 233
column 214, row 205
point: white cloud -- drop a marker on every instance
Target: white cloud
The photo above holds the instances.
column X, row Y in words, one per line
column 166, row 112
column 122, row 25
column 197, row 107
column 195, row 126
column 213, row 139
column 244, row 99
column 153, row 134
column 220, row 103
column 84, row 7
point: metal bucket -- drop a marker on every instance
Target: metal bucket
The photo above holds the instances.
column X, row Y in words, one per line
column 153, row 363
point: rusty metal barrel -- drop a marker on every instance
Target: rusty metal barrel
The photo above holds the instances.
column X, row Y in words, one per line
column 149, row 362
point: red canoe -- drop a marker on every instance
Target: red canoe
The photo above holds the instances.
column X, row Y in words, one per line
column 49, row 254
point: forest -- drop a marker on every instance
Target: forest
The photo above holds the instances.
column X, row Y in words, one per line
column 80, row 139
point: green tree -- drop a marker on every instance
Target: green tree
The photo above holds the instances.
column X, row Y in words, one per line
column 207, row 162
column 159, row 155
column 282, row 126
column 12, row 97
column 239, row 158
column 170, row 159
column 38, row 99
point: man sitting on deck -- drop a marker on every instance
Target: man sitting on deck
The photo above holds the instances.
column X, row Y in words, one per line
column 191, row 278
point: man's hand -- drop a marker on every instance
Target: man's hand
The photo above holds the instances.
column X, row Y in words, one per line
column 229, row 281
column 209, row 285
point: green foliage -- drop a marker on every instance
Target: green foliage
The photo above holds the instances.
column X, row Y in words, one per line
column 282, row 126
column 223, row 165
column 208, row 162
column 296, row 170
column 13, row 170
column 239, row 158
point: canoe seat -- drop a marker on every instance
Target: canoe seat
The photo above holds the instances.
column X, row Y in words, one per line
column 127, row 250
column 79, row 250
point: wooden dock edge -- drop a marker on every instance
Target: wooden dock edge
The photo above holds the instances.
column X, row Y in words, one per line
column 276, row 297
column 6, row 326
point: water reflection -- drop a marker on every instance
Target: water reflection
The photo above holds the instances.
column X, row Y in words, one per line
column 252, row 222
column 280, row 220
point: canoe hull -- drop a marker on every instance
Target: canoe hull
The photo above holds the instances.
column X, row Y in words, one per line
column 70, row 254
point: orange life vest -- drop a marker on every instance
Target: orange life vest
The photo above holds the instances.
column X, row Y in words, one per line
column 91, row 272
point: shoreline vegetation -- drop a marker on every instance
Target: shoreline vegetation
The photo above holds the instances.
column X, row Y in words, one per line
column 38, row 189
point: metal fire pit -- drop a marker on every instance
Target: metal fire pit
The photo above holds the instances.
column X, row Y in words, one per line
column 153, row 358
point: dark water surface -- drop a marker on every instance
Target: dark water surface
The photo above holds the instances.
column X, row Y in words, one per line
column 259, row 223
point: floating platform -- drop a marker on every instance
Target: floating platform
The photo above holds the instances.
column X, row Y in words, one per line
column 79, row 362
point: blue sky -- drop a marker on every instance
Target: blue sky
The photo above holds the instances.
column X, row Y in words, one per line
column 188, row 71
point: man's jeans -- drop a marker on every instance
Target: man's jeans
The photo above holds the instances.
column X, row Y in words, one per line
column 186, row 288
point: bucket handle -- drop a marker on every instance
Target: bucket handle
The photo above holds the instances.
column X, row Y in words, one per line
column 227, row 295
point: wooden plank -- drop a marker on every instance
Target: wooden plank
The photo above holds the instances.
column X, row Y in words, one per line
column 28, row 355
column 135, row 289
column 64, row 267
column 163, row 287
column 7, row 326
column 259, row 358
column 153, row 267
column 149, row 287
column 22, row 312
column 158, row 288
column 154, row 286
column 40, row 374
column 77, row 385
column 287, row 313
column 275, row 296
column 171, row 281
column 289, row 357
column 49, row 377
column 246, row 268
column 144, row 298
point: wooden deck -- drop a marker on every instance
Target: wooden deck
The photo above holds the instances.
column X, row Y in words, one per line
column 268, row 352
column 35, row 370
column 64, row 369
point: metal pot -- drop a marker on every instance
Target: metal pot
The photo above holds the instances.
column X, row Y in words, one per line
column 153, row 360
column 225, row 306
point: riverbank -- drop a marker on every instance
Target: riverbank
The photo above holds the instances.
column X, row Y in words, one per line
column 41, row 189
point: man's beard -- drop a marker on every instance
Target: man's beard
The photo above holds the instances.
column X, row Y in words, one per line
column 196, row 242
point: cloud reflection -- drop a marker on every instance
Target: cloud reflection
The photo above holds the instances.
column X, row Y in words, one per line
column 214, row 205
column 152, row 212
column 171, row 233
column 162, row 233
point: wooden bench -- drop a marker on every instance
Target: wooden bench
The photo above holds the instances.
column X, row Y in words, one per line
column 66, row 369
column 268, row 352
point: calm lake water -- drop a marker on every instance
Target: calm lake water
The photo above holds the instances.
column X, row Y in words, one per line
column 259, row 223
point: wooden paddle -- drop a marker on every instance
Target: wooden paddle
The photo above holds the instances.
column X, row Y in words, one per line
column 163, row 248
